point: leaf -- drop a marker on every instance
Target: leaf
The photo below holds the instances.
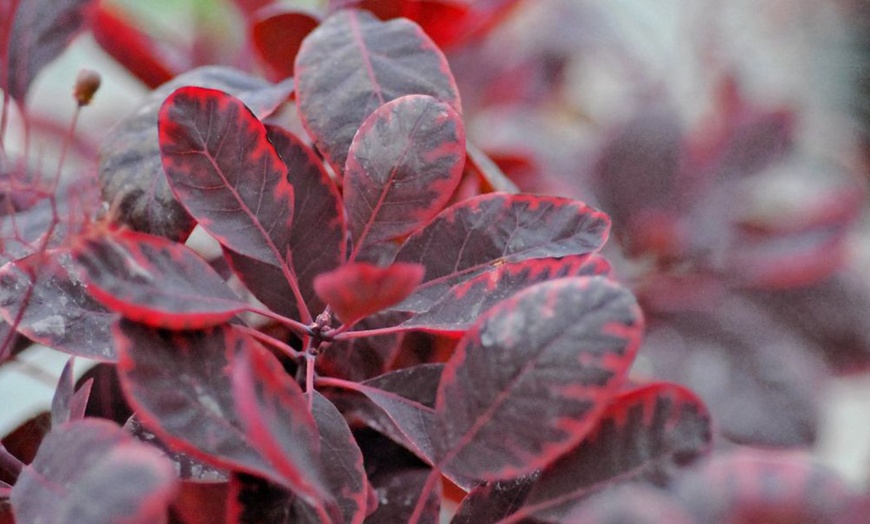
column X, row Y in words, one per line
column 26, row 232
column 179, row 384
column 645, row 434
column 398, row 492
column 318, row 236
column 358, row 289
column 92, row 471
column 494, row 229
column 226, row 174
column 131, row 172
column 456, row 311
column 373, row 62
column 634, row 503
column 405, row 162
column 40, row 31
column 187, row 468
column 67, row 404
column 493, row 501
column 360, row 358
column 489, row 173
column 44, row 294
column 253, row 500
column 277, row 35
column 531, row 378
column 155, row 281
column 275, row 415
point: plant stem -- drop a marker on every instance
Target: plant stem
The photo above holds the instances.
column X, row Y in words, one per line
column 369, row 333
column 262, row 337
column 299, row 328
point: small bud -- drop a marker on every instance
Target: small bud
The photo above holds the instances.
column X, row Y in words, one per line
column 87, row 83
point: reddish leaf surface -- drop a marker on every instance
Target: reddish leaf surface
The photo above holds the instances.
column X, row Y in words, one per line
column 342, row 461
column 57, row 312
column 277, row 36
column 131, row 170
column 318, row 236
column 92, row 471
column 40, row 31
column 404, row 164
column 374, row 62
column 155, row 281
column 275, row 415
column 226, row 173
column 130, row 47
column 765, row 486
column 458, row 309
column 495, row 229
column 442, row 20
column 179, row 384
column 554, row 353
column 358, row 289
column 645, row 434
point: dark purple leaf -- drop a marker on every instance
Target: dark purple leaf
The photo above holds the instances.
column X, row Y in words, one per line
column 456, row 311
column 645, row 434
column 179, row 384
column 61, row 401
column 277, row 34
column 554, row 354
column 405, row 162
column 155, row 281
column 131, row 172
column 493, row 501
column 373, row 62
column 57, row 311
column 277, row 422
column 418, row 383
column 752, row 485
column 495, row 229
column 25, row 233
column 358, row 289
column 398, row 492
column 40, row 31
column 93, row 471
column 187, row 468
column 253, row 500
column 227, row 175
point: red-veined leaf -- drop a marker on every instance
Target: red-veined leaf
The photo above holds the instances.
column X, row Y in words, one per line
column 39, row 32
column 187, row 467
column 317, row 239
column 494, row 229
column 131, row 172
column 458, row 309
column 373, row 62
column 493, row 501
column 57, row 311
column 275, row 415
column 554, row 354
column 645, row 434
column 404, row 163
column 155, row 281
column 93, row 471
column 179, row 384
column 277, row 34
column 357, row 289
column 228, row 176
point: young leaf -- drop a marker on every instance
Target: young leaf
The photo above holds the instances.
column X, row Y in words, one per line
column 358, row 289
column 179, row 384
column 277, row 35
column 554, row 353
column 93, row 471
column 456, row 311
column 40, row 31
column 374, row 62
column 66, row 404
column 43, row 296
column 405, row 161
column 225, row 172
column 275, row 415
column 317, row 240
column 131, row 172
column 155, row 281
column 645, row 434
column 495, row 229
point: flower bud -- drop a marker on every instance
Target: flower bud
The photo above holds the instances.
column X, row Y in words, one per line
column 87, row 83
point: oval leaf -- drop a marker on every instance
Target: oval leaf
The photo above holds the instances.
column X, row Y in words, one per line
column 373, row 62
column 277, row 36
column 357, row 290
column 552, row 357
column 495, row 229
column 43, row 297
column 93, row 471
column 179, row 384
column 404, row 164
column 131, row 171
column 645, row 434
column 155, row 281
column 456, row 311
